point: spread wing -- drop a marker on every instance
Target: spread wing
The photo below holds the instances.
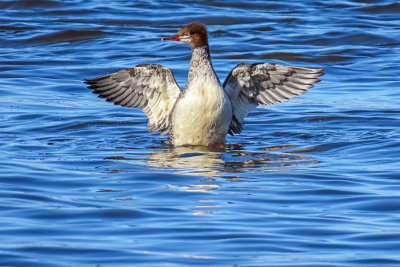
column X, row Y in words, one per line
column 250, row 85
column 150, row 87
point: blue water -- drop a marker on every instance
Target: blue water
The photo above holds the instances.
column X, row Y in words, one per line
column 311, row 182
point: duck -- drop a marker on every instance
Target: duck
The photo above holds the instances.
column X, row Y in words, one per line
column 206, row 110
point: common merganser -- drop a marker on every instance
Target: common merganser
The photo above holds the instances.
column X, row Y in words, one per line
column 205, row 111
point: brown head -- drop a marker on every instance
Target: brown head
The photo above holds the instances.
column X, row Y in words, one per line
column 194, row 34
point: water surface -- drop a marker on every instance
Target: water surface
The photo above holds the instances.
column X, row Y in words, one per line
column 311, row 182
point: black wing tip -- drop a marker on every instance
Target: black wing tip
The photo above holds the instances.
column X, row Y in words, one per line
column 96, row 79
column 317, row 72
column 91, row 86
column 314, row 72
column 94, row 82
column 320, row 72
column 236, row 127
column 90, row 82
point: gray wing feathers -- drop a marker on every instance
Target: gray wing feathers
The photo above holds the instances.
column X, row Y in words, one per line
column 249, row 85
column 150, row 87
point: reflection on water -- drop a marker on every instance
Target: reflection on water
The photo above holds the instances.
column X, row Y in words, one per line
column 198, row 161
column 220, row 162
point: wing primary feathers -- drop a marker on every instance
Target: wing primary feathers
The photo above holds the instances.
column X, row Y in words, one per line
column 151, row 87
column 249, row 85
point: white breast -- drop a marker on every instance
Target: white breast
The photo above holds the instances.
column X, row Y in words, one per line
column 203, row 115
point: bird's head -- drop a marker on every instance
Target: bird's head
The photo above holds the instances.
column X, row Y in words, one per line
column 194, row 34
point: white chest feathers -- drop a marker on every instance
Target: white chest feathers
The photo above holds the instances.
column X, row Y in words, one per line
column 202, row 116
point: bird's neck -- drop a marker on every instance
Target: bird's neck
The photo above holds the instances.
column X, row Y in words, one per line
column 202, row 75
column 201, row 62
